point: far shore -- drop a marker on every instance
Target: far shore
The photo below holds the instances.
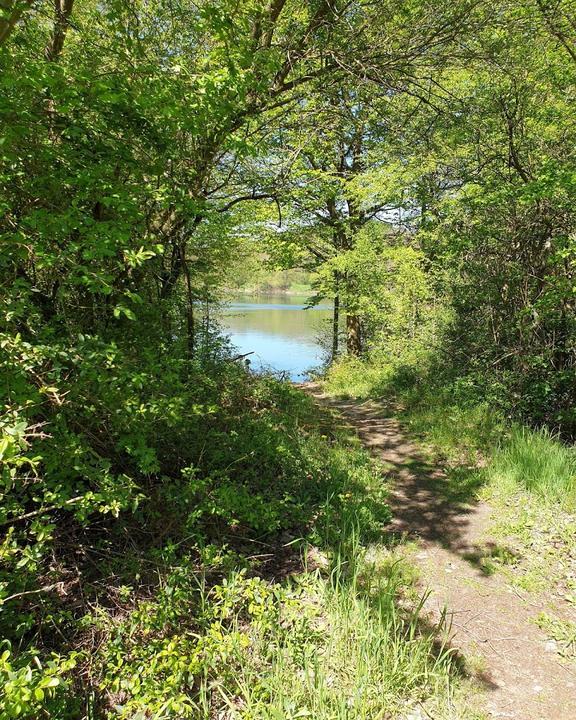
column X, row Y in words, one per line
column 269, row 291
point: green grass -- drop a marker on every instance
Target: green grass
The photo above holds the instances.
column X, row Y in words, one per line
column 474, row 440
column 562, row 632
column 541, row 540
column 462, row 431
column 351, row 377
column 197, row 605
column 219, row 633
column 462, row 435
column 537, row 461
column 352, row 651
column 345, row 642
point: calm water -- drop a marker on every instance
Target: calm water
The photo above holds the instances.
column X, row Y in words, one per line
column 283, row 335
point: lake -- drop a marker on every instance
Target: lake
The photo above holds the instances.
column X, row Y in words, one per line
column 283, row 335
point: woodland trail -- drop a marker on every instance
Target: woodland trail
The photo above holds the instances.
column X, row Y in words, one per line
column 492, row 627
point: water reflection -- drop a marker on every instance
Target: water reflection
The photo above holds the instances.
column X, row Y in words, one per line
column 282, row 334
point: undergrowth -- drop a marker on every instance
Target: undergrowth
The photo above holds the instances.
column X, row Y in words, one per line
column 237, row 586
column 345, row 649
column 320, row 645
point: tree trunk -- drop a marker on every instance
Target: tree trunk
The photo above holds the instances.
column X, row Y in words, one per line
column 335, row 327
column 190, row 321
column 353, row 335
column 62, row 12
column 190, row 330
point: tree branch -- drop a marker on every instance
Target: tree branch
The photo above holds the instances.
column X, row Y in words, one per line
column 11, row 12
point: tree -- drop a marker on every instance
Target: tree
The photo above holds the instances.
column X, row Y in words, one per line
column 498, row 191
column 332, row 191
column 12, row 11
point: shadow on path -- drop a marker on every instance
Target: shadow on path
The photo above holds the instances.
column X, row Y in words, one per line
column 427, row 502
column 485, row 619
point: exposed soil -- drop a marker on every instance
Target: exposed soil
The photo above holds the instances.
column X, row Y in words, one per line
column 491, row 625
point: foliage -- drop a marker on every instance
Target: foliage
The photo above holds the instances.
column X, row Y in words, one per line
column 504, row 230
column 31, row 687
column 172, row 638
column 340, row 649
column 420, row 161
column 226, row 472
column 259, row 649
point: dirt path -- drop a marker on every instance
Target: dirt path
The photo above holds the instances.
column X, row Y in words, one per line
column 492, row 626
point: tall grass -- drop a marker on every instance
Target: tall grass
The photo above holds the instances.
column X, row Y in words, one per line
column 352, row 377
column 465, row 431
column 512, row 457
column 538, row 461
column 358, row 656
column 461, row 433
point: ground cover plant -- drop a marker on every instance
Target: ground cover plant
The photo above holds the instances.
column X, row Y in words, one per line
column 169, row 607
